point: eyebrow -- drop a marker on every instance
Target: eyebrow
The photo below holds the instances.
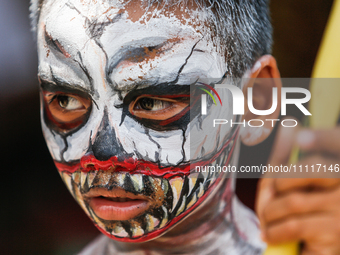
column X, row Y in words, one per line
column 55, row 44
column 59, row 85
column 166, row 90
column 140, row 53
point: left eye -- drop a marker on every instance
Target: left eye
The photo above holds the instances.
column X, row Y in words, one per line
column 151, row 104
column 157, row 108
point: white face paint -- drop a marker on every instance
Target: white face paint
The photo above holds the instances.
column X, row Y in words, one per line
column 132, row 131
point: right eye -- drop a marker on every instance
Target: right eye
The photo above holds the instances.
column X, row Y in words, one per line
column 66, row 110
column 69, row 103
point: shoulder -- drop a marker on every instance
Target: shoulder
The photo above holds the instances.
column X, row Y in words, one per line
column 247, row 224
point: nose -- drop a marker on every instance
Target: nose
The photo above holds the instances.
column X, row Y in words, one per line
column 106, row 144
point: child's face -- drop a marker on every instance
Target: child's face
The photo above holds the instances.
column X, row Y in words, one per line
column 115, row 111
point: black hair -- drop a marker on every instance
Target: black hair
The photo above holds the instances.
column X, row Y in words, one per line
column 243, row 26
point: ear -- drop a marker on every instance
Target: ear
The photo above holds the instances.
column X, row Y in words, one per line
column 264, row 76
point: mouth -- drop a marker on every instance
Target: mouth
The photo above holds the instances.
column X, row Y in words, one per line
column 116, row 204
column 137, row 207
column 134, row 207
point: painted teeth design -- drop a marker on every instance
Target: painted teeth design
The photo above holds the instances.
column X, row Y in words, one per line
column 90, row 177
column 208, row 182
column 180, row 194
column 165, row 218
column 137, row 180
column 192, row 202
column 105, row 177
column 200, row 191
column 152, row 222
column 96, row 219
column 83, row 179
column 212, row 179
column 182, row 207
column 137, row 231
column 155, row 182
column 205, row 174
column 176, row 186
column 119, row 231
column 165, row 186
column 78, row 197
column 192, row 181
column 76, row 177
column 121, row 179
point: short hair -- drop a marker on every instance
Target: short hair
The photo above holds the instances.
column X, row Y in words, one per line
column 243, row 26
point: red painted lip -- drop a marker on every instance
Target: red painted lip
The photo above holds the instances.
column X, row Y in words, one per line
column 116, row 204
column 134, row 166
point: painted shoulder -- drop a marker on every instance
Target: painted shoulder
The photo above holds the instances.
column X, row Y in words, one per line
column 97, row 247
column 247, row 225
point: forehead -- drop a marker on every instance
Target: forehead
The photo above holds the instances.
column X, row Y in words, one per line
column 130, row 41
column 80, row 20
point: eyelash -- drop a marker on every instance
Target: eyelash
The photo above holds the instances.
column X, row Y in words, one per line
column 64, row 119
column 155, row 119
column 138, row 103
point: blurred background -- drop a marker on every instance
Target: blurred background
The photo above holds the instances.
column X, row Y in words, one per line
column 38, row 215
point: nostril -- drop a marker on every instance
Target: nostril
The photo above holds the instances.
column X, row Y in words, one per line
column 89, row 163
column 90, row 166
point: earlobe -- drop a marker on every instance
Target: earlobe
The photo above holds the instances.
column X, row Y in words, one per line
column 263, row 91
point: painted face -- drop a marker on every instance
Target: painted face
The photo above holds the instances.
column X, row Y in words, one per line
column 116, row 111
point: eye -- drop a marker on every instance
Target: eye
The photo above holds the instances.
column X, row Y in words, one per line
column 152, row 104
column 66, row 110
column 69, row 103
column 157, row 108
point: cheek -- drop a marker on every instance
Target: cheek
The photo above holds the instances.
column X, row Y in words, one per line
column 70, row 145
column 73, row 188
column 204, row 140
column 54, row 141
column 160, row 147
column 79, row 142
